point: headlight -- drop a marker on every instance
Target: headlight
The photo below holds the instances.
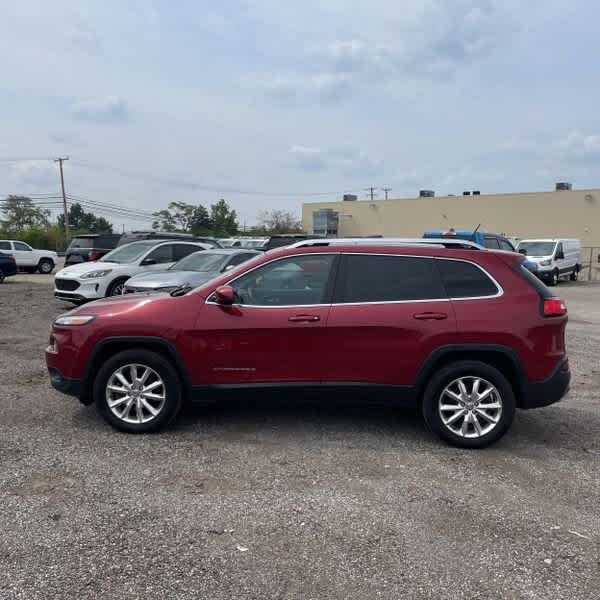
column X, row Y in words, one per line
column 95, row 274
column 74, row 320
column 545, row 263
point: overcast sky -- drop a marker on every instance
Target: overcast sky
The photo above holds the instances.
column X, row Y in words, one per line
column 156, row 101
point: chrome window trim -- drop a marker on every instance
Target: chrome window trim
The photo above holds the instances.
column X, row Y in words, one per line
column 498, row 294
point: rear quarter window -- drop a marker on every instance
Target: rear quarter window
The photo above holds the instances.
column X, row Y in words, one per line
column 465, row 280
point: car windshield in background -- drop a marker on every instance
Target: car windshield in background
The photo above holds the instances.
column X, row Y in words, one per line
column 536, row 248
column 129, row 253
column 200, row 261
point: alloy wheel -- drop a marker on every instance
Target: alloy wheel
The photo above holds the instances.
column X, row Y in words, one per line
column 470, row 407
column 135, row 393
column 45, row 267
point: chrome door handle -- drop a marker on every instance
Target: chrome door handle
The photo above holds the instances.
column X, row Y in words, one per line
column 304, row 318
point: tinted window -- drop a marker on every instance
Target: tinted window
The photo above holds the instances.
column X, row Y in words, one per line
column 182, row 250
column 366, row 278
column 162, row 254
column 288, row 282
column 506, row 245
column 465, row 280
column 128, row 253
column 492, row 243
column 559, row 250
column 5, row 246
column 22, row 246
column 238, row 259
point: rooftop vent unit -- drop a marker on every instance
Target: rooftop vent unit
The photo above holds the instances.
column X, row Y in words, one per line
column 563, row 186
column 466, row 193
column 476, row 193
column 426, row 193
column 350, row 197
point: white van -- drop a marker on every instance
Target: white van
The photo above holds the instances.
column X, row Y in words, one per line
column 554, row 258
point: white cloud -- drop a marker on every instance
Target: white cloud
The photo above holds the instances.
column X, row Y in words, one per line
column 36, row 174
column 110, row 109
column 348, row 161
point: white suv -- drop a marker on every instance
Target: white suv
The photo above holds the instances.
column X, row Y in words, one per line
column 105, row 277
column 29, row 259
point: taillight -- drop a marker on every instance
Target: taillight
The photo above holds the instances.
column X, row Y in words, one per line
column 554, row 307
column 11, row 258
column 94, row 255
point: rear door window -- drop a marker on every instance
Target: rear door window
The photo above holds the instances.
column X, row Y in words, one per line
column 182, row 250
column 492, row 243
column 378, row 278
column 465, row 280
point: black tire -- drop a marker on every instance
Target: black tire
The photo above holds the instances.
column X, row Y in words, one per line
column 467, row 369
column 553, row 278
column 116, row 287
column 45, row 266
column 158, row 363
column 574, row 276
column 2, row 276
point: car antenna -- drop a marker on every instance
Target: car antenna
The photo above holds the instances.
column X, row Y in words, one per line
column 477, row 228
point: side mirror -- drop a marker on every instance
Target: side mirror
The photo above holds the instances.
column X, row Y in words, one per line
column 225, row 295
column 148, row 261
column 523, row 251
column 228, row 268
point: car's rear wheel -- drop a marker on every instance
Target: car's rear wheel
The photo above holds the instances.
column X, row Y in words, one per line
column 116, row 287
column 138, row 391
column 45, row 266
column 469, row 404
column 574, row 276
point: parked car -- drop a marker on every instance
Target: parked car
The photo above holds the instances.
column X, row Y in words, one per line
column 493, row 241
column 466, row 335
column 8, row 266
column 281, row 240
column 138, row 236
column 193, row 270
column 90, row 247
column 105, row 277
column 554, row 258
column 28, row 259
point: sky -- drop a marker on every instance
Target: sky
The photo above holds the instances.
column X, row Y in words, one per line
column 270, row 104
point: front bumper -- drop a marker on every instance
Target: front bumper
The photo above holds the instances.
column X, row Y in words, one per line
column 543, row 393
column 84, row 291
column 66, row 385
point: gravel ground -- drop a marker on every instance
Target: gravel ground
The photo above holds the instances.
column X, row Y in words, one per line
column 259, row 500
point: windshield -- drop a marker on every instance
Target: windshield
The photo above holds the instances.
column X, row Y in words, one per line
column 537, row 248
column 128, row 253
column 200, row 261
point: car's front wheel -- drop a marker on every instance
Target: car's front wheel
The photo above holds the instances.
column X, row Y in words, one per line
column 116, row 287
column 138, row 391
column 469, row 404
column 45, row 266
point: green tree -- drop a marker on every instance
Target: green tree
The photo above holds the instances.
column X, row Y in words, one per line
column 21, row 213
column 278, row 221
column 223, row 219
column 182, row 217
column 82, row 221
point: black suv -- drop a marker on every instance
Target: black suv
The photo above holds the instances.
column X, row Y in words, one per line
column 90, row 246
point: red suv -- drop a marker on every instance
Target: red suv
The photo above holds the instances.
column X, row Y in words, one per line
column 466, row 334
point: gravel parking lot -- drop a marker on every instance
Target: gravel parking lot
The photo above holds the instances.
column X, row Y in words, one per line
column 259, row 499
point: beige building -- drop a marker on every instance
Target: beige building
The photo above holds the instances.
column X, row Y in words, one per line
column 566, row 214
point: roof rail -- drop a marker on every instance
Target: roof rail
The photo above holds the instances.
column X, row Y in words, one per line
column 436, row 242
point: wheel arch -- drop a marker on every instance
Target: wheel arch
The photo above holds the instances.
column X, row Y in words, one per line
column 113, row 345
column 500, row 357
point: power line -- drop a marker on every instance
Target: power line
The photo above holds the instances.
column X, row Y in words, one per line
column 109, row 205
column 196, row 185
column 24, row 159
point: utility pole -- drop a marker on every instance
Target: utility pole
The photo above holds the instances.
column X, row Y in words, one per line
column 371, row 191
column 60, row 161
column 386, row 190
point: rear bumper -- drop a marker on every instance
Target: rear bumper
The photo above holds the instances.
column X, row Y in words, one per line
column 543, row 393
column 66, row 385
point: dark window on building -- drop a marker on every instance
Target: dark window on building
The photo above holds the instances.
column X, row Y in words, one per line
column 376, row 278
column 465, row 280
